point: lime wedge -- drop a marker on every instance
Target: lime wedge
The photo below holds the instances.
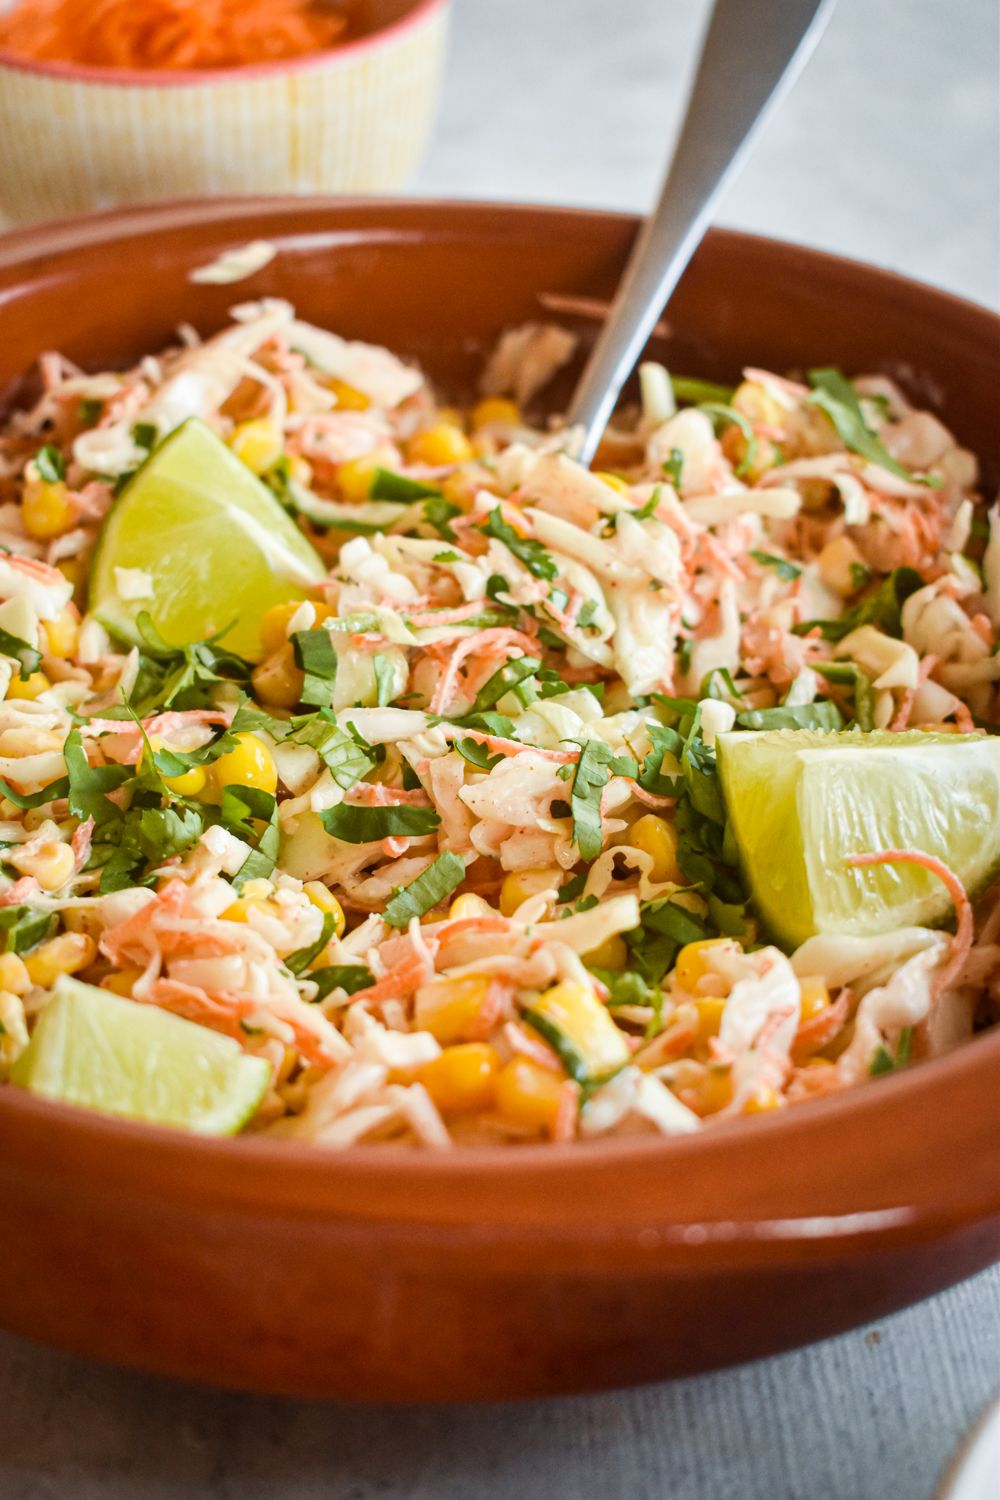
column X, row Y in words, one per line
column 95, row 1049
column 215, row 546
column 801, row 801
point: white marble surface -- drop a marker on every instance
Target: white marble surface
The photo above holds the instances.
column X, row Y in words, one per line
column 886, row 150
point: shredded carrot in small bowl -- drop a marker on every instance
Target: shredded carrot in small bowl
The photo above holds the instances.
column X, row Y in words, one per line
column 171, row 34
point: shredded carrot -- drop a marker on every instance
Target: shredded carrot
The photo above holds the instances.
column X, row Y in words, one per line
column 171, row 34
column 962, row 941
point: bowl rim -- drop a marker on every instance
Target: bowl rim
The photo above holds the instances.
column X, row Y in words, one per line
column 417, row 14
column 265, row 1172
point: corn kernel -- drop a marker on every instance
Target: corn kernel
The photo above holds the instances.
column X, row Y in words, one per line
column 692, row 961
column 761, row 1100
column 348, row 398
column 658, row 838
column 841, row 567
column 258, row 444
column 65, row 954
column 274, row 625
column 495, row 410
column 736, row 448
column 51, row 864
column 463, row 485
column 62, row 633
column 327, row 902
column 462, row 1078
column 249, row 764
column 611, row 954
column 240, row 910
column 13, row 974
column 45, row 509
column 354, row 478
column 710, row 1012
column 189, row 783
column 757, row 404
column 468, row 906
column 714, row 1091
column 815, row 997
column 122, row 982
column 29, row 687
column 444, row 443
column 13, row 1028
column 615, row 481
column 524, row 884
column 451, row 1009
column 278, row 681
column 71, row 569
column 581, row 1020
column 528, row 1094
column 299, row 469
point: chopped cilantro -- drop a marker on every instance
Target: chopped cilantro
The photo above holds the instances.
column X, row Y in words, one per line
column 627, row 987
column 664, row 928
column 300, row 960
column 836, row 397
column 687, row 388
column 573, row 888
column 882, row 608
column 673, row 467
column 507, row 677
column 385, row 680
column 439, row 513
column 439, row 880
column 727, row 416
column 347, row 977
column 850, row 674
column 316, row 654
column 387, row 485
column 649, row 509
column 785, row 570
column 882, row 1059
column 595, row 767
column 23, row 928
column 531, row 553
column 367, row 825
column 180, row 677
column 50, row 464
column 821, row 715
column 477, row 754
column 710, row 685
column 27, row 657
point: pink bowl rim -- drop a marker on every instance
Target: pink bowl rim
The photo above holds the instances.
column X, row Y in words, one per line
column 420, row 13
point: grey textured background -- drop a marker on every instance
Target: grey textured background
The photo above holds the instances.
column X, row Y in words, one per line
column 888, row 149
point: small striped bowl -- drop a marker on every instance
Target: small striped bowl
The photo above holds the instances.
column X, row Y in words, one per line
column 354, row 119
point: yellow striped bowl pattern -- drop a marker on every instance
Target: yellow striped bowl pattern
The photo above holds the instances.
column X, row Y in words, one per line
column 350, row 121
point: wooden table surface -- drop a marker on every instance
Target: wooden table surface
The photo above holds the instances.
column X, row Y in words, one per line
column 886, row 150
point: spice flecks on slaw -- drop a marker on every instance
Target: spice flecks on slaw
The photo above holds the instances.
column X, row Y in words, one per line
column 453, row 856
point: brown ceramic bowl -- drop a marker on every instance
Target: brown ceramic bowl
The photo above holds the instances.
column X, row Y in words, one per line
column 383, row 1274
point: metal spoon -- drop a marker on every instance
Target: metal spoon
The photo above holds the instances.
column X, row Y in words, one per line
column 753, row 49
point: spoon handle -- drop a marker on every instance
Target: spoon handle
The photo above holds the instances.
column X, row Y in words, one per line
column 752, row 52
